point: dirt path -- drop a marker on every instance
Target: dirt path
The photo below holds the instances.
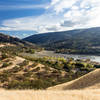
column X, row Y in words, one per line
column 7, row 44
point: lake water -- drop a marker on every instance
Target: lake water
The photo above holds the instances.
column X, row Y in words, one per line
column 52, row 54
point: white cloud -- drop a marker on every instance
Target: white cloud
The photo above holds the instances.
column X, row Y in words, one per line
column 60, row 15
column 18, row 7
column 60, row 5
column 5, row 28
column 89, row 3
column 41, row 23
column 54, row 2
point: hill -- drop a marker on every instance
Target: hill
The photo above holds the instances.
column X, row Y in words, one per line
column 46, row 38
column 13, row 45
column 13, row 40
column 26, row 72
column 88, row 81
column 18, row 33
column 19, row 70
column 82, row 41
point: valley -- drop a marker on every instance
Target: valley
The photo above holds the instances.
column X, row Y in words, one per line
column 49, row 49
column 34, row 71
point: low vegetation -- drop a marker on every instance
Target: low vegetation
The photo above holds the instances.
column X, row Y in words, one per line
column 36, row 73
column 41, row 73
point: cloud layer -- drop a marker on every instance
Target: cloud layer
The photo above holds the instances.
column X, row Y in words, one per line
column 59, row 15
column 19, row 7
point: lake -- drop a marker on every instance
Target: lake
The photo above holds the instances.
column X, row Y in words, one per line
column 66, row 56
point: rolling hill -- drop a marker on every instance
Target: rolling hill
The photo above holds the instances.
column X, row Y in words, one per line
column 46, row 38
column 13, row 40
column 61, row 92
column 88, row 81
column 13, row 45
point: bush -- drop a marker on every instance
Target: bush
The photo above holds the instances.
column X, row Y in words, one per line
column 5, row 65
column 32, row 51
column 16, row 69
column 24, row 63
column 4, row 56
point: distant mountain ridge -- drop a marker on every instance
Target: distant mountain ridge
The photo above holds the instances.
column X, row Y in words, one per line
column 13, row 40
column 80, row 41
column 45, row 38
column 18, row 33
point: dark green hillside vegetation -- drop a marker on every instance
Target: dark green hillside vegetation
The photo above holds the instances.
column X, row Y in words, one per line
column 82, row 41
column 47, row 38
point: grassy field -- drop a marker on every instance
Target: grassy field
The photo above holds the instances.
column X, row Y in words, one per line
column 58, row 92
column 80, row 90
column 50, row 95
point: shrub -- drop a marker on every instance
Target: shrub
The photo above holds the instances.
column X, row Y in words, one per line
column 4, row 56
column 5, row 65
column 24, row 63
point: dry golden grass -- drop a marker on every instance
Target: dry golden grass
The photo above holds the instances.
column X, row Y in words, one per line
column 50, row 95
column 88, row 81
column 60, row 92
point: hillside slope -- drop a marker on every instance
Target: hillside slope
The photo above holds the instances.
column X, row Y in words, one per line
column 46, row 38
column 13, row 45
column 81, row 41
column 13, row 40
column 90, row 80
column 56, row 37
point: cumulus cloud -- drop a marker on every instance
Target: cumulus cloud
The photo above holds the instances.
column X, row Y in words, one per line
column 60, row 5
column 85, row 14
column 60, row 15
column 41, row 23
column 67, row 24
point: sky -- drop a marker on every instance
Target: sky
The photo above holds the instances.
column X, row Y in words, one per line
column 22, row 18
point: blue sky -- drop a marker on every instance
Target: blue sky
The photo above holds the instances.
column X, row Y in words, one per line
column 12, row 8
column 22, row 18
